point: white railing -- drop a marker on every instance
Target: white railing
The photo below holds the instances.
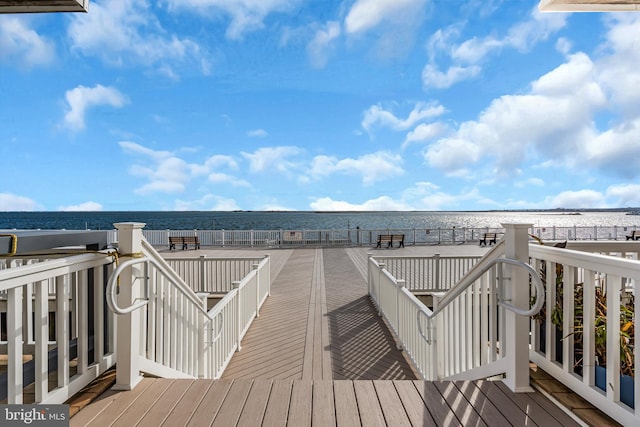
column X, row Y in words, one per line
column 212, row 275
column 586, row 272
column 47, row 304
column 428, row 274
column 172, row 332
column 368, row 237
column 571, row 347
column 464, row 335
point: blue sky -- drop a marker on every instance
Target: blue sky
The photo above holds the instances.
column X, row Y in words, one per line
column 319, row 105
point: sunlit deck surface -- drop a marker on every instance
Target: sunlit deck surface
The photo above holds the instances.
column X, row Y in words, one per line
column 319, row 355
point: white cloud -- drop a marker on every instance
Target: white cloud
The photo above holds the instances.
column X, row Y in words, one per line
column 246, row 15
column 383, row 203
column 372, row 167
column 434, row 78
column 23, row 46
column 582, row 199
column 452, row 155
column 318, row 48
column 223, row 178
column 164, row 172
column 81, row 98
column 208, row 202
column 82, row 207
column 554, row 122
column 122, row 32
column 465, row 57
column 258, row 133
column 272, row 159
column 367, row 14
column 420, row 196
column 424, row 132
column 624, row 194
column 13, row 202
column 377, row 115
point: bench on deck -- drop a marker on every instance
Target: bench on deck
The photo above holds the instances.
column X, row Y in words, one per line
column 185, row 241
column 635, row 235
column 490, row 238
column 190, row 240
column 173, row 241
column 389, row 239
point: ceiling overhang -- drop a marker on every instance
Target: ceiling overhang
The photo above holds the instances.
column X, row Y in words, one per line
column 589, row 5
column 41, row 6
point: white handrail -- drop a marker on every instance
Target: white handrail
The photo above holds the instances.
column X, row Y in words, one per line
column 111, row 290
column 471, row 278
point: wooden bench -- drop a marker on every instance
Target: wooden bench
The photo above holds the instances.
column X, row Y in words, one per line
column 173, row 240
column 185, row 241
column 389, row 239
column 190, row 240
column 384, row 238
column 635, row 235
column 398, row 238
column 490, row 238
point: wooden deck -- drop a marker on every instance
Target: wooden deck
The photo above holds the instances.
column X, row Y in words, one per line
column 319, row 355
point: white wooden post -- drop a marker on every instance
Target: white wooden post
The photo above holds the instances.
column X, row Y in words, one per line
column 255, row 267
column 128, row 325
column 516, row 290
column 203, row 338
column 401, row 284
column 236, row 286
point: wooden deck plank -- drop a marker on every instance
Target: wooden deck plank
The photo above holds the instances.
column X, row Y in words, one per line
column 208, row 405
column 277, row 338
column 165, row 405
column 459, row 404
column 234, row 401
column 438, row 407
column 563, row 418
column 485, row 408
column 254, row 409
column 134, row 413
column 323, row 407
column 117, row 406
column 188, row 403
column 501, row 393
column 300, row 406
column 88, row 413
column 392, row 408
column 354, row 326
column 277, row 411
column 368, row 404
column 413, row 404
column 346, row 404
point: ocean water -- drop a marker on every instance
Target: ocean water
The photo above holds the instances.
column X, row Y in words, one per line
column 250, row 220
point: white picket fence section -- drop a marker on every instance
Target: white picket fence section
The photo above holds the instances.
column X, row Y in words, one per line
column 32, row 289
